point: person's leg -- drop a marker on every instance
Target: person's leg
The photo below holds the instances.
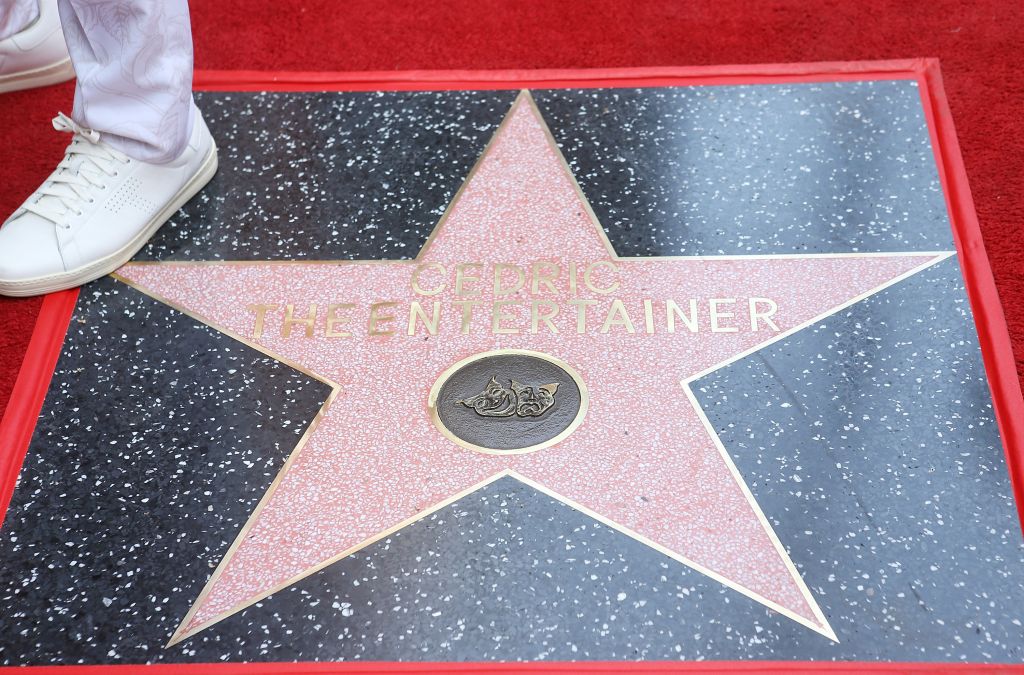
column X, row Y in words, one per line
column 139, row 150
column 134, row 66
column 16, row 15
column 32, row 49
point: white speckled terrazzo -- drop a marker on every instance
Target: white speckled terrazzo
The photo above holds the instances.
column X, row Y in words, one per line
column 642, row 459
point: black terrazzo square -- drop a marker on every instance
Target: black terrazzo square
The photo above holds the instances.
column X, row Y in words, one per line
column 159, row 434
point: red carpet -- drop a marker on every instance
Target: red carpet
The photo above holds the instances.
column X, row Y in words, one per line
column 978, row 42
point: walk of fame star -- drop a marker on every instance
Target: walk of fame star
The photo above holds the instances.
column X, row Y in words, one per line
column 644, row 460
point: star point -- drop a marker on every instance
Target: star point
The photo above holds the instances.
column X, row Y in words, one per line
column 517, row 262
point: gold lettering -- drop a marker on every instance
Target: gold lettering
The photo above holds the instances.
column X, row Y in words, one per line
column 538, row 276
column 416, row 279
column 498, row 315
column 467, row 314
column 673, row 311
column 572, row 278
column 373, row 327
column 499, row 270
column 617, row 317
column 536, row 317
column 764, row 316
column 261, row 315
column 590, row 270
column 290, row 320
column 462, row 279
column 581, row 313
column 717, row 314
column 648, row 317
column 333, row 320
column 415, row 310
column 424, row 317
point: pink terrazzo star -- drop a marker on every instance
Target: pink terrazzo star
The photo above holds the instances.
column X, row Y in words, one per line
column 645, row 460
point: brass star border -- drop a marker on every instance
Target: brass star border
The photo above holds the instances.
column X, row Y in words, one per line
column 524, row 98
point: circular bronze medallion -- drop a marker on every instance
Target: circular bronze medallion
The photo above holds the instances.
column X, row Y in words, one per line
column 508, row 401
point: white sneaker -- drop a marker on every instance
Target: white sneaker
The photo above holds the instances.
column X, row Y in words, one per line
column 96, row 210
column 36, row 56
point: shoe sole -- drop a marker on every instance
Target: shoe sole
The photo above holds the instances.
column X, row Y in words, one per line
column 62, row 71
column 111, row 262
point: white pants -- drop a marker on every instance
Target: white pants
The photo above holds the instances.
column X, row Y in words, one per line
column 16, row 15
column 133, row 59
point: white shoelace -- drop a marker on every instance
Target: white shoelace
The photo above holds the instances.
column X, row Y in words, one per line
column 87, row 164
